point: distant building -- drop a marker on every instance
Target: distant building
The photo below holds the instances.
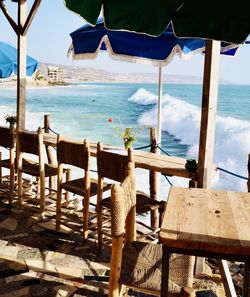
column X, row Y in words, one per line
column 55, row 74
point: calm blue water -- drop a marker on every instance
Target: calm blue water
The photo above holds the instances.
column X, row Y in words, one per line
column 83, row 111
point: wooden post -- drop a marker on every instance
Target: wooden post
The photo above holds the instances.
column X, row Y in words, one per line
column 207, row 134
column 21, row 29
column 153, row 179
column 248, row 166
column 49, row 152
column 208, row 113
column 21, row 72
column 208, row 120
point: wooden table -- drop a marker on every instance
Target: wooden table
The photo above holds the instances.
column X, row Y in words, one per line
column 207, row 223
column 168, row 165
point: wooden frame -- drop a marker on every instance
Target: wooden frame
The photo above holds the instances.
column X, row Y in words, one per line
column 32, row 143
column 76, row 155
column 112, row 166
column 7, row 140
column 118, row 196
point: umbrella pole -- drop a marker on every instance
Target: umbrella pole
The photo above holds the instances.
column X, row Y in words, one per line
column 159, row 107
column 21, row 71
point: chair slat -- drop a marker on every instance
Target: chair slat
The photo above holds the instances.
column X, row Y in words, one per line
column 112, row 165
column 6, row 137
column 28, row 142
column 72, row 154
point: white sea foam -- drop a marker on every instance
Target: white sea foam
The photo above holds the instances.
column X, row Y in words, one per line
column 232, row 140
column 141, row 96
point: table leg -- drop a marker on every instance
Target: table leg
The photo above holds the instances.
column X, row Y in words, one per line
column 246, row 291
column 165, row 271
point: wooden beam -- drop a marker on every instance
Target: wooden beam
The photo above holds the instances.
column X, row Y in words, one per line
column 8, row 17
column 21, row 73
column 208, row 113
column 30, row 16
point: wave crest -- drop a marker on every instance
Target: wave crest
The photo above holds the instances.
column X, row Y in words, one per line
column 232, row 139
column 143, row 97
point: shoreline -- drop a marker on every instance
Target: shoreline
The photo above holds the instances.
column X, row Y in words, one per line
column 38, row 85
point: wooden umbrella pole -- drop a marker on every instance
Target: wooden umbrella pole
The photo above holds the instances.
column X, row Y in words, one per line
column 208, row 112
column 21, row 72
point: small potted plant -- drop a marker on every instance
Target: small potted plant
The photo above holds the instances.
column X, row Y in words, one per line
column 11, row 119
column 128, row 137
column 128, row 134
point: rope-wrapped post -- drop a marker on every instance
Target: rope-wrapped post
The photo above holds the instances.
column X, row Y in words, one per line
column 248, row 167
column 49, row 150
column 153, row 179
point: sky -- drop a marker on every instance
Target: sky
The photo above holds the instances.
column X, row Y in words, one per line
column 48, row 41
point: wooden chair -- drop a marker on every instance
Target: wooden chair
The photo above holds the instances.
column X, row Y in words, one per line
column 113, row 166
column 32, row 143
column 137, row 264
column 7, row 140
column 77, row 155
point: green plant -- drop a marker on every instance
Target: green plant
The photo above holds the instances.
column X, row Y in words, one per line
column 127, row 134
column 128, row 137
column 10, row 119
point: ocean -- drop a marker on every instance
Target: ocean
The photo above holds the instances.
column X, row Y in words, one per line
column 95, row 111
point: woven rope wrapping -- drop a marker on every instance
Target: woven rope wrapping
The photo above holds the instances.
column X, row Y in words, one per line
column 142, row 265
column 122, row 201
column 181, row 270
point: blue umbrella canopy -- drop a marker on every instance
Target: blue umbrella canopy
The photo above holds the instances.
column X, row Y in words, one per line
column 8, row 61
column 87, row 41
column 134, row 47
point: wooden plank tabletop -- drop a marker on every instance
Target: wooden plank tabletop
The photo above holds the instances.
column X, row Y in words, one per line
column 172, row 166
column 207, row 220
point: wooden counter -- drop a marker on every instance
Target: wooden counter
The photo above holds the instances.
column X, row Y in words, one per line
column 172, row 166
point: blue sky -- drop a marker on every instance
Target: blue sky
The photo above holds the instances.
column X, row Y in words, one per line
column 48, row 41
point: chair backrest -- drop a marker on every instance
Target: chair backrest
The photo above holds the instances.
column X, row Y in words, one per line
column 123, row 213
column 71, row 153
column 30, row 142
column 7, row 137
column 123, row 207
column 112, row 165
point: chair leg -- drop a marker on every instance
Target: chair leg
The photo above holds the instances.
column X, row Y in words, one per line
column 42, row 194
column 20, row 188
column 12, row 185
column 85, row 216
column 99, row 216
column 58, row 207
column 38, row 190
column 68, row 178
